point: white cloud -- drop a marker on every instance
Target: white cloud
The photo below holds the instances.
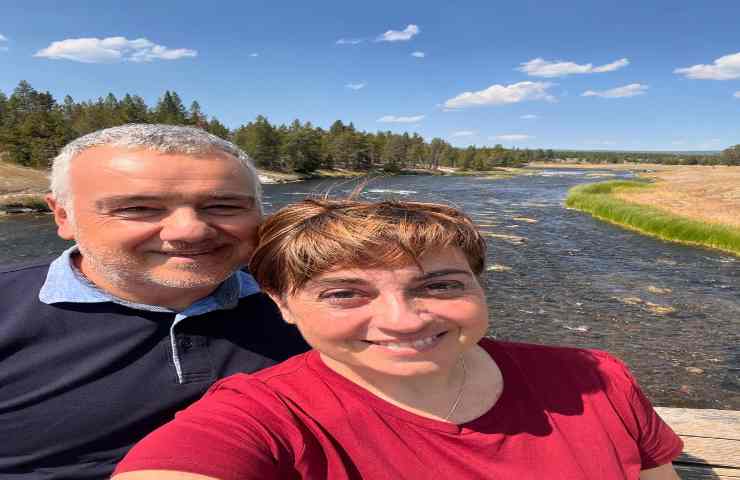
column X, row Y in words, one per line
column 112, row 49
column 356, row 86
column 464, row 133
column 349, row 41
column 539, row 67
column 3, row 38
column 399, row 36
column 395, row 119
column 736, row 94
column 631, row 90
column 723, row 68
column 529, row 117
column 610, row 67
column 419, row 54
column 502, row 95
column 255, row 54
column 512, row 137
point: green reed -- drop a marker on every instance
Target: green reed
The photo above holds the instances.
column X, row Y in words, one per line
column 598, row 200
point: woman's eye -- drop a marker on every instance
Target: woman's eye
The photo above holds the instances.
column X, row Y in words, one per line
column 344, row 298
column 340, row 294
column 436, row 288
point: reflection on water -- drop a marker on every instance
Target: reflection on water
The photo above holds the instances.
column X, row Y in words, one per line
column 556, row 276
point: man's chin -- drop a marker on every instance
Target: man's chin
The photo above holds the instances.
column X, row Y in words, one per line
column 186, row 279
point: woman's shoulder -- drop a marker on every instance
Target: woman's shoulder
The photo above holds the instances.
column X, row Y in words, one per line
column 547, row 361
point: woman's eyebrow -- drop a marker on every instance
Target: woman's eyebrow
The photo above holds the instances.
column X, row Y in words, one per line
column 360, row 281
column 442, row 273
column 339, row 280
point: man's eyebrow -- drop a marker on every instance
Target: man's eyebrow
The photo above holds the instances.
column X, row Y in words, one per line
column 116, row 200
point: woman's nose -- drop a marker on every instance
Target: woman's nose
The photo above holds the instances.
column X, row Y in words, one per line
column 401, row 314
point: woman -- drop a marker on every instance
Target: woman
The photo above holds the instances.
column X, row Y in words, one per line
column 401, row 383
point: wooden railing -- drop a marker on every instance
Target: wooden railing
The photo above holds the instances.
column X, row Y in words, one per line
column 711, row 442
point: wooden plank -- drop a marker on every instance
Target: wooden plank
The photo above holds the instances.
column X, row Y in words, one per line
column 703, row 423
column 693, row 472
column 712, row 451
column 711, row 442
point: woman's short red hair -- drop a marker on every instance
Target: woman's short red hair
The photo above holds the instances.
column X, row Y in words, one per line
column 315, row 236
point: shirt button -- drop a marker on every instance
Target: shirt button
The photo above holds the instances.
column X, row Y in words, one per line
column 186, row 343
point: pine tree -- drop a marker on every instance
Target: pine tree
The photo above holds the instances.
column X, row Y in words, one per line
column 217, row 128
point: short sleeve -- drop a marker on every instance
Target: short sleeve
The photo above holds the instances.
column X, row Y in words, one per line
column 657, row 442
column 237, row 431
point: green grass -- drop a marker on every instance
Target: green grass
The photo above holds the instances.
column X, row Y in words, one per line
column 35, row 202
column 597, row 199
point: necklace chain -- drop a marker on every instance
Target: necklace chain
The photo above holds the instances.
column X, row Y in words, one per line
column 459, row 392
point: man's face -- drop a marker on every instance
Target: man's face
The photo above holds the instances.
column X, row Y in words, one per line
column 146, row 222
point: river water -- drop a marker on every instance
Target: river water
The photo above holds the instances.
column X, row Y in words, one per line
column 557, row 276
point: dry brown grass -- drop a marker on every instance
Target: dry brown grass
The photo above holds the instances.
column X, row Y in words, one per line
column 15, row 179
column 705, row 193
column 605, row 166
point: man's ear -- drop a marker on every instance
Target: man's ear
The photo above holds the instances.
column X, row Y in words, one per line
column 62, row 218
column 283, row 306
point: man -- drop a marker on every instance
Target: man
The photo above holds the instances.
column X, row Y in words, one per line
column 148, row 308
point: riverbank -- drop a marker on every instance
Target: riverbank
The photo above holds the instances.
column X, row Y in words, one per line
column 22, row 189
column 665, row 209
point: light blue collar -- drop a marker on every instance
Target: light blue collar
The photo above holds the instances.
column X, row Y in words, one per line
column 64, row 283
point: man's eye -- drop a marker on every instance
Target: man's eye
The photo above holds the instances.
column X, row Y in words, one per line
column 223, row 209
column 136, row 211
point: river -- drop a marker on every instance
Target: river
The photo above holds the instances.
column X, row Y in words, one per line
column 557, row 276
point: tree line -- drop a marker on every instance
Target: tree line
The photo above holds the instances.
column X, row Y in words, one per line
column 729, row 156
column 34, row 126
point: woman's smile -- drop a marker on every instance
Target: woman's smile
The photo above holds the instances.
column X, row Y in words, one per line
column 411, row 347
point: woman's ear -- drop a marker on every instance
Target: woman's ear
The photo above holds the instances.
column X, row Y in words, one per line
column 283, row 306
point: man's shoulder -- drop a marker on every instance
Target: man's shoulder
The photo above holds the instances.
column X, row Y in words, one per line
column 23, row 279
column 30, row 267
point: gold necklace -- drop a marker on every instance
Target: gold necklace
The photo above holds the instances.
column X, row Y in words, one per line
column 459, row 392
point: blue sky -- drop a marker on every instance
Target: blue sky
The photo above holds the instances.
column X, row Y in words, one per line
column 627, row 75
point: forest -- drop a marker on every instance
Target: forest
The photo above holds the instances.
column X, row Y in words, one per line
column 34, row 126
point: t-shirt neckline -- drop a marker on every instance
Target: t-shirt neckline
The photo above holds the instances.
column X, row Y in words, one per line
column 334, row 379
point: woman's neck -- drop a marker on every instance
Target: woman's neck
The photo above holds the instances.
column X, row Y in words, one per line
column 467, row 389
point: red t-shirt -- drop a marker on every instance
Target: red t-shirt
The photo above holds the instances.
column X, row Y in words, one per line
column 564, row 413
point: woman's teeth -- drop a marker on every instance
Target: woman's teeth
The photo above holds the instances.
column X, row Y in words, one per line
column 416, row 344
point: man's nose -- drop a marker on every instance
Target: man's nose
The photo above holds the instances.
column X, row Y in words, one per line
column 186, row 225
column 401, row 314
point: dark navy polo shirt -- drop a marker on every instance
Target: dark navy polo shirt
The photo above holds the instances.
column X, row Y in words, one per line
column 81, row 382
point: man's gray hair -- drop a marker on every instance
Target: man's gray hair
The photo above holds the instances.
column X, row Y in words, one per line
column 155, row 137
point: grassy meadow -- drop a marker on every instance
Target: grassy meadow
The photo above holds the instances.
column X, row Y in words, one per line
column 608, row 201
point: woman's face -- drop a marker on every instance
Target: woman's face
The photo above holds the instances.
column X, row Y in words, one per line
column 403, row 321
